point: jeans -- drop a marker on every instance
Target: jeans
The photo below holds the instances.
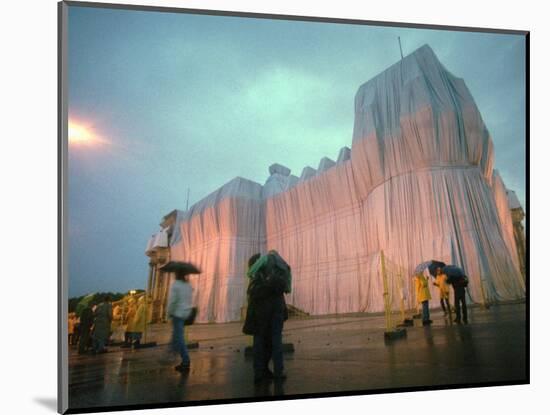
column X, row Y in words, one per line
column 268, row 345
column 460, row 299
column 425, row 311
column 178, row 340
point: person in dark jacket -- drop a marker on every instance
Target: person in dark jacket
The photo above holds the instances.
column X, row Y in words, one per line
column 103, row 315
column 85, row 329
column 266, row 315
column 459, row 287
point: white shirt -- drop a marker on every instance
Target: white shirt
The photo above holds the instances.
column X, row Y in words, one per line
column 180, row 300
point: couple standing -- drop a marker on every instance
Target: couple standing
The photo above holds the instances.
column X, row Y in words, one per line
column 270, row 278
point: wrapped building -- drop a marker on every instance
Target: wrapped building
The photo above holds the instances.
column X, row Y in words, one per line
column 417, row 183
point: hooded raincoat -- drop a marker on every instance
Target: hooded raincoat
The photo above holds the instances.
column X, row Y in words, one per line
column 422, row 288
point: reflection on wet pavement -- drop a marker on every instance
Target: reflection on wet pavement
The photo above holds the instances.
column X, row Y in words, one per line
column 332, row 354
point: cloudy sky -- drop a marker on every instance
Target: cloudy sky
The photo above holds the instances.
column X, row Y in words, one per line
column 176, row 101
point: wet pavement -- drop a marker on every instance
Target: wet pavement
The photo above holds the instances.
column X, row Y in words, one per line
column 332, row 355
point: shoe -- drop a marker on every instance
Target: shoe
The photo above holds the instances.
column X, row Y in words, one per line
column 457, row 321
column 427, row 322
column 465, row 321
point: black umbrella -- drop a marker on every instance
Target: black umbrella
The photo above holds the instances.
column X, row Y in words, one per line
column 181, row 268
column 453, row 272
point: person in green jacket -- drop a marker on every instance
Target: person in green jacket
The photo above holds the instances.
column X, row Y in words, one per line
column 102, row 324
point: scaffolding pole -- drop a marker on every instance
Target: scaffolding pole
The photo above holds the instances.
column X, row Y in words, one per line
column 387, row 305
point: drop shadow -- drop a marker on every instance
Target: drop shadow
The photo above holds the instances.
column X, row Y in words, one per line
column 48, row 403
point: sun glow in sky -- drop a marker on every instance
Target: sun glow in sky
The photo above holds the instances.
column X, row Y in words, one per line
column 80, row 134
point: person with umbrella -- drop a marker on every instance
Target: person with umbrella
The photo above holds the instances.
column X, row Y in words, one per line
column 423, row 297
column 441, row 283
column 270, row 277
column 458, row 279
column 180, row 308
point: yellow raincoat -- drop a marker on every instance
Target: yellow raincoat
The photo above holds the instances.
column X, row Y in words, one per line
column 72, row 321
column 422, row 288
column 441, row 283
column 117, row 317
column 130, row 316
column 140, row 317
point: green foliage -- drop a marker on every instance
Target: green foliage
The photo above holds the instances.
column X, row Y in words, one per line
column 77, row 304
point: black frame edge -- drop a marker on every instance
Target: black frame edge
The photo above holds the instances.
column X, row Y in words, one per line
column 318, row 19
column 62, row 179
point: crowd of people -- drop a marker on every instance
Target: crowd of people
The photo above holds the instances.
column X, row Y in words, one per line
column 100, row 320
column 99, row 323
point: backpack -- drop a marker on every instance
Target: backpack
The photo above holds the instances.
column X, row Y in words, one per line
column 192, row 315
column 463, row 281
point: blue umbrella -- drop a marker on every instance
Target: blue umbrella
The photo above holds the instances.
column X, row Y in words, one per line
column 431, row 265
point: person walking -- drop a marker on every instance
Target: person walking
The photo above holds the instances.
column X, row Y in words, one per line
column 441, row 283
column 270, row 279
column 423, row 297
column 459, row 287
column 85, row 329
column 180, row 307
column 102, row 324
